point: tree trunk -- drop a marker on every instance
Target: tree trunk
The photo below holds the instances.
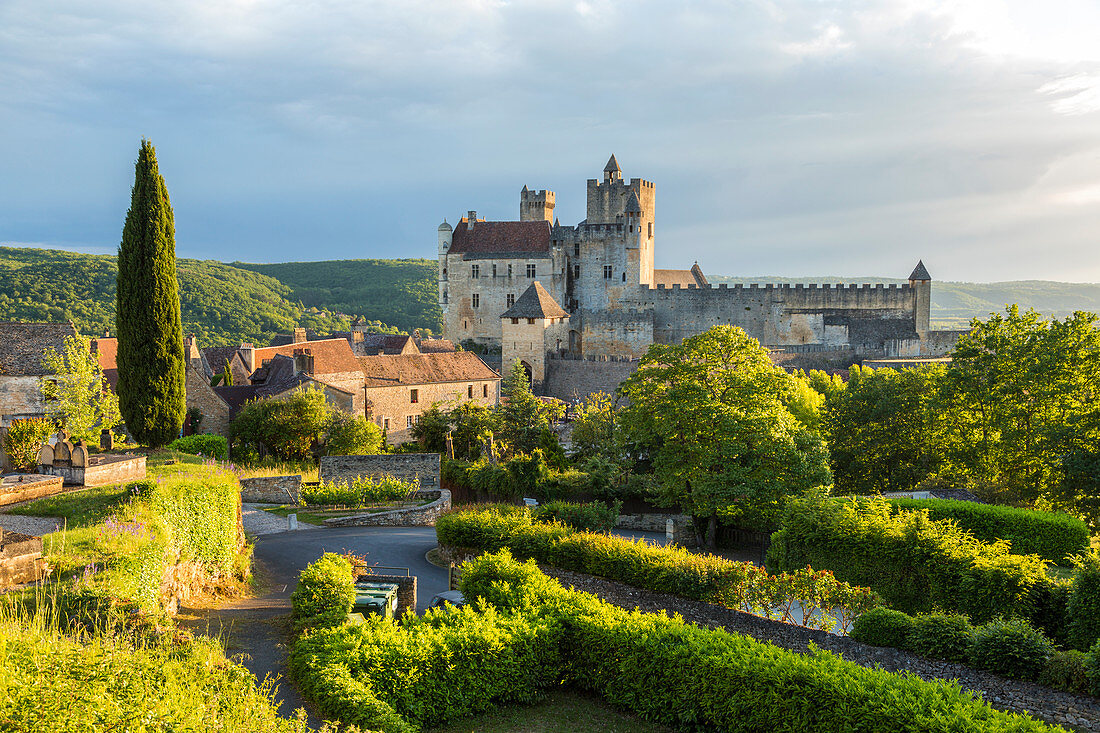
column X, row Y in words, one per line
column 712, row 532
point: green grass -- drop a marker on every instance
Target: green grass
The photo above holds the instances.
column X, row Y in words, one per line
column 81, row 508
column 564, row 711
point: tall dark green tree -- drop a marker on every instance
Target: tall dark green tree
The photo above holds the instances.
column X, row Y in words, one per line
column 150, row 334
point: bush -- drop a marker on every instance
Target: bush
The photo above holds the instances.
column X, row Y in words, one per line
column 916, row 564
column 941, row 636
column 883, row 627
column 1050, row 535
column 325, row 593
column 1011, row 648
column 350, row 435
column 1066, row 670
column 23, row 441
column 1083, row 604
column 591, row 517
column 360, row 491
column 290, row 428
column 208, row 445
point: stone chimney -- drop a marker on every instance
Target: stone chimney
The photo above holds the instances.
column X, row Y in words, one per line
column 248, row 356
column 299, row 335
column 471, row 217
column 303, row 361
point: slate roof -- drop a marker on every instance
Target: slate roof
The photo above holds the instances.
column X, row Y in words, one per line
column 535, row 303
column 385, row 370
column 920, row 272
column 217, row 356
column 22, row 344
column 277, row 377
column 388, row 343
column 683, row 278
column 330, row 356
column 612, row 165
column 501, row 238
column 436, row 346
column 633, row 206
column 106, row 353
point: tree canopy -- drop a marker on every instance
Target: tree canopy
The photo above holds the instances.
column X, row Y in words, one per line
column 77, row 398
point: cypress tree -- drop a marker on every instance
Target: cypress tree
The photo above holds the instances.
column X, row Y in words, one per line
column 150, row 333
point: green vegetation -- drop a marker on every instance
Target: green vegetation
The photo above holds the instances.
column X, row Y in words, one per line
column 205, row 445
column 560, row 711
column 401, row 293
column 1050, row 535
column 359, row 492
column 712, row 412
column 77, row 508
column 150, row 332
column 528, row 634
column 593, row 516
column 79, row 399
column 741, row 586
column 23, row 440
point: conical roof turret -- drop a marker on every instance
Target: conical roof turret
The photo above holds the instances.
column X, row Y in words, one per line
column 633, row 206
column 920, row 273
column 612, row 165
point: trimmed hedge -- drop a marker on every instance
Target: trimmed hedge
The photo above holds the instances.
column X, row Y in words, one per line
column 916, row 564
column 1050, row 535
column 593, row 516
column 457, row 661
column 1012, row 648
column 942, row 636
column 883, row 627
column 325, row 593
column 358, row 492
column 203, row 444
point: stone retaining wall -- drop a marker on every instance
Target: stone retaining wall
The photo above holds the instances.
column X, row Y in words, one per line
column 27, row 486
column 418, row 516
column 422, row 467
column 101, row 470
column 271, row 489
column 21, row 559
column 680, row 532
column 406, row 589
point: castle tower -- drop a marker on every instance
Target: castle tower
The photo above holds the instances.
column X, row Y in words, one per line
column 612, row 171
column 535, row 325
column 921, row 283
column 445, row 234
column 536, row 205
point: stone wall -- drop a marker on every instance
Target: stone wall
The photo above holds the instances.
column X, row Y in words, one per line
column 406, row 589
column 422, row 467
column 200, row 395
column 21, row 559
column 101, row 470
column 271, row 489
column 20, row 397
column 573, row 379
column 419, row 516
column 27, row 486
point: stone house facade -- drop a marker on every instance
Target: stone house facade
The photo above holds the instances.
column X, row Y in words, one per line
column 21, row 368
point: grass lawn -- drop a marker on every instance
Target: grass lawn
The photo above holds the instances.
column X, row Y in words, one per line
column 563, row 711
column 318, row 516
column 82, row 508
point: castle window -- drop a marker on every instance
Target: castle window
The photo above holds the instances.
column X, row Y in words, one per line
column 651, row 230
column 530, row 271
column 509, row 272
column 607, row 272
column 444, row 273
column 475, row 300
column 484, row 390
column 510, row 298
column 515, row 321
column 444, row 296
column 631, row 228
column 530, row 321
column 576, row 272
column 577, row 249
column 414, row 396
column 494, row 271
column 475, row 271
column 624, row 276
column 469, row 391
column 465, row 324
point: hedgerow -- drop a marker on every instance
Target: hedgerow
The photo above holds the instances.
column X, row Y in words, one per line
column 916, row 564
column 360, row 491
column 1050, row 535
column 674, row 570
column 203, row 444
column 595, row 516
column 325, row 593
column 454, row 662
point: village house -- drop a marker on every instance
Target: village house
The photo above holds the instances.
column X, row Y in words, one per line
column 21, row 369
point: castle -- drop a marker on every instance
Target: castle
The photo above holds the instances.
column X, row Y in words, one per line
column 548, row 293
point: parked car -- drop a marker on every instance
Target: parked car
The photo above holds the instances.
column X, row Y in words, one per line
column 453, row 597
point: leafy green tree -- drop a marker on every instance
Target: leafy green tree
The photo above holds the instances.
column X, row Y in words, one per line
column 712, row 411
column 291, row 427
column 150, row 332
column 594, row 427
column 351, row 435
column 78, row 399
column 471, row 423
column 522, row 417
column 22, row 441
column 431, row 432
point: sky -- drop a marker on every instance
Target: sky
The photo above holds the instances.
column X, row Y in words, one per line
column 794, row 138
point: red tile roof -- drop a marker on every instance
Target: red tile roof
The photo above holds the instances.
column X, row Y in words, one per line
column 331, row 356
column 386, row 370
column 106, row 352
column 501, row 237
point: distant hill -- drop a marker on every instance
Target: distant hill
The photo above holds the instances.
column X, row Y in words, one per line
column 955, row 303
column 221, row 304
column 402, row 293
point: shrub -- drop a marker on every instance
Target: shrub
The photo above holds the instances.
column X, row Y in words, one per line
column 325, row 593
column 350, row 435
column 941, row 636
column 1011, row 648
column 1050, row 535
column 1066, row 670
column 916, row 564
column 23, row 441
column 591, row 517
column 1083, row 604
column 211, row 446
column 883, row 627
column 360, row 491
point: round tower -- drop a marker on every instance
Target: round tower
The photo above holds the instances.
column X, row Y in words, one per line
column 445, row 233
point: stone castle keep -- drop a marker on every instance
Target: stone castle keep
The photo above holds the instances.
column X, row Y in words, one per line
column 548, row 293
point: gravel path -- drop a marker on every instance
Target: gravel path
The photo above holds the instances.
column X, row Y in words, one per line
column 257, row 521
column 36, row 526
column 1077, row 712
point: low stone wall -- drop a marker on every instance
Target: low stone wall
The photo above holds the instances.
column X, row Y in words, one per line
column 27, row 486
column 680, row 530
column 406, row 589
column 101, row 470
column 21, row 559
column 271, row 489
column 418, row 516
column 422, row 467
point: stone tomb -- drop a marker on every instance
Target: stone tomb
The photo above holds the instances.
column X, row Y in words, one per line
column 19, row 487
column 21, row 559
column 72, row 462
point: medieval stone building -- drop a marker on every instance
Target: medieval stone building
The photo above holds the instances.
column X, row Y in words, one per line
column 614, row 303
